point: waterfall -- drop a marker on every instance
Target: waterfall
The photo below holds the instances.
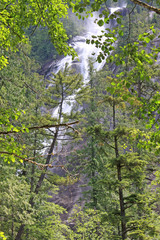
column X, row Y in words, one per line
column 84, row 51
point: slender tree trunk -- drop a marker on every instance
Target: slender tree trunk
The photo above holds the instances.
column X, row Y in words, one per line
column 139, row 91
column 39, row 183
column 12, row 221
column 34, row 154
column 93, row 173
column 92, row 122
column 121, row 199
column 119, row 176
column 20, row 232
column 33, row 166
column 42, row 176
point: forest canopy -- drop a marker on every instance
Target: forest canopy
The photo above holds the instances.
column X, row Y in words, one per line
column 17, row 16
column 109, row 139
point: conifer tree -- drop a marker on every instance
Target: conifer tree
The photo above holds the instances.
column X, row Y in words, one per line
column 62, row 87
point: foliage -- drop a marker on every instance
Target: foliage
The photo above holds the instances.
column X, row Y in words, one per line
column 2, row 236
column 119, row 146
column 16, row 208
column 18, row 16
column 88, row 224
column 42, row 47
column 10, row 148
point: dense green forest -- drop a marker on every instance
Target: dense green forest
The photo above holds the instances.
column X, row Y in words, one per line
column 107, row 144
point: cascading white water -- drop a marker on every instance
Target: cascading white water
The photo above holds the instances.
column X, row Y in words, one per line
column 115, row 9
column 84, row 51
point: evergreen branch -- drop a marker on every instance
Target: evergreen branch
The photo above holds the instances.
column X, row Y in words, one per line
column 68, row 125
column 26, row 84
column 145, row 5
column 110, row 145
column 126, row 207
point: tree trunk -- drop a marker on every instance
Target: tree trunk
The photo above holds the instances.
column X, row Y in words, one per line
column 20, row 232
column 42, row 176
column 119, row 176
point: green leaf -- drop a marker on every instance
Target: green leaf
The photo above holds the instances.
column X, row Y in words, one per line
column 100, row 23
column 128, row 85
column 118, row 20
column 121, row 33
column 147, row 39
column 81, row 10
column 12, row 158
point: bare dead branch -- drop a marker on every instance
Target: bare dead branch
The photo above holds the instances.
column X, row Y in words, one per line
column 145, row 5
column 30, row 160
column 68, row 125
